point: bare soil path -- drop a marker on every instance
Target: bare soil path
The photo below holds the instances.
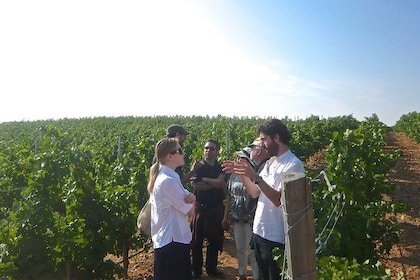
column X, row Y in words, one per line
column 404, row 256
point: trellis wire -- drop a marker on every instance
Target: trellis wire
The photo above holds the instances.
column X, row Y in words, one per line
column 336, row 214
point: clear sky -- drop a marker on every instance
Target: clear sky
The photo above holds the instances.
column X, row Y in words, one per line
column 74, row 59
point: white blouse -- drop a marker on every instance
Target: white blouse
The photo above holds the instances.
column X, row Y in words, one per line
column 169, row 221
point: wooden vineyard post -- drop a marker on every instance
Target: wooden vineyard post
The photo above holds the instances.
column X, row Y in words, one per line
column 299, row 226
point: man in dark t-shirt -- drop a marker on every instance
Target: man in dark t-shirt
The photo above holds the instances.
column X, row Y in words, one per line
column 209, row 188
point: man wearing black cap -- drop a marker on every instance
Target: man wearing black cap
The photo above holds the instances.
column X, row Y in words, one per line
column 179, row 133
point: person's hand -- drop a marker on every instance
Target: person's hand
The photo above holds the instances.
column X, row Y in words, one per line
column 239, row 167
column 228, row 166
column 193, row 212
column 189, row 198
column 226, row 223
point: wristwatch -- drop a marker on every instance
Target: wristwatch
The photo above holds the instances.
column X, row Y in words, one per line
column 258, row 180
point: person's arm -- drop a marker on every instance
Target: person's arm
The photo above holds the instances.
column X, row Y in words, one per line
column 226, row 218
column 270, row 193
column 189, row 198
column 250, row 187
column 243, row 169
column 201, row 186
column 180, row 199
column 248, row 175
column 192, row 213
column 252, row 180
column 218, row 183
column 186, row 178
column 209, row 183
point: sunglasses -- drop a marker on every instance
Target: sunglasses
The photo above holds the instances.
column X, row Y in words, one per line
column 178, row 151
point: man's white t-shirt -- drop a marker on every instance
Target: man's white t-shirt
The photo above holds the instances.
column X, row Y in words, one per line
column 268, row 220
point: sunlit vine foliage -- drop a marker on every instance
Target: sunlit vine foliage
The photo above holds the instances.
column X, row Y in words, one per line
column 71, row 189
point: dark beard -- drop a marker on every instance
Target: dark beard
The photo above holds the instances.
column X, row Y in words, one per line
column 273, row 149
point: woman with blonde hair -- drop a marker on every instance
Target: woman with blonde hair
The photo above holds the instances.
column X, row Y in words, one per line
column 171, row 204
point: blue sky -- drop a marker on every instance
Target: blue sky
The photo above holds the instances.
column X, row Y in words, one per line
column 235, row 58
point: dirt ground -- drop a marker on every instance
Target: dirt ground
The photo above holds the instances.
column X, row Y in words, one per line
column 404, row 256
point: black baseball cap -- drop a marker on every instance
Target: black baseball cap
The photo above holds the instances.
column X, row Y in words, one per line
column 173, row 129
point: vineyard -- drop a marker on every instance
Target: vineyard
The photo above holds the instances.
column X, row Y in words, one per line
column 71, row 190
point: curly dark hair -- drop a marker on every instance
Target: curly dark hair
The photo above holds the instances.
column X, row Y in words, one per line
column 272, row 127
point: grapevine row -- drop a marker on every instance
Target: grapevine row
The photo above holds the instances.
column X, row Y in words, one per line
column 71, row 189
